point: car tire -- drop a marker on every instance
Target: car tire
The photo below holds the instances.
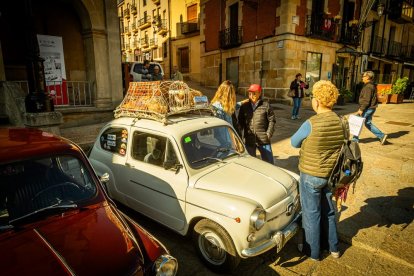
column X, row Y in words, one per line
column 215, row 246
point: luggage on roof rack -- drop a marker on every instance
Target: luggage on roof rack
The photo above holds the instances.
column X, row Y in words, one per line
column 157, row 100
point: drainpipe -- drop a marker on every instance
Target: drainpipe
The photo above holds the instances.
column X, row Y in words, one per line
column 383, row 31
column 169, row 38
column 221, row 53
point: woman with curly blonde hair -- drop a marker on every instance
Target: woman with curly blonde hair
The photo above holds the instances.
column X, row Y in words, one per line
column 224, row 101
column 320, row 139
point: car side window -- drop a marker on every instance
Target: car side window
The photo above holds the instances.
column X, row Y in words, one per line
column 149, row 148
column 115, row 140
column 138, row 68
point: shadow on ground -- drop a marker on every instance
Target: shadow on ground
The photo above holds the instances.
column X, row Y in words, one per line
column 383, row 212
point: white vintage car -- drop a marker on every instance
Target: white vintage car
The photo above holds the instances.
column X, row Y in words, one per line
column 194, row 176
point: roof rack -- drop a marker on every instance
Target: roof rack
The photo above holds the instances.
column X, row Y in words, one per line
column 157, row 101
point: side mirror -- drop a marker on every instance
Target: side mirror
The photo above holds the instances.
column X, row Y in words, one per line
column 171, row 165
column 104, row 178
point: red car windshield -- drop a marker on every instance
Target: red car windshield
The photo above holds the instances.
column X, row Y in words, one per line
column 32, row 186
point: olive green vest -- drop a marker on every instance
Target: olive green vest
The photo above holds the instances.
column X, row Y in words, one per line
column 321, row 148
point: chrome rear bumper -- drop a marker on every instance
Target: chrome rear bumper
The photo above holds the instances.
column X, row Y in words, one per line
column 278, row 239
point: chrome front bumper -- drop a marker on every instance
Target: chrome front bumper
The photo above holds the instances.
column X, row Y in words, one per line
column 278, row 239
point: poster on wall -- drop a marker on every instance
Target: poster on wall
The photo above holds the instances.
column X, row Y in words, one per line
column 51, row 50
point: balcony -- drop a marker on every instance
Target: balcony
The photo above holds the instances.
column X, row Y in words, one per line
column 407, row 52
column 189, row 27
column 394, row 49
column 378, row 45
column 144, row 42
column 401, row 11
column 350, row 35
column 134, row 9
column 321, row 28
column 156, row 2
column 134, row 27
column 153, row 43
column 231, row 37
column 144, row 22
column 126, row 13
column 162, row 26
column 127, row 31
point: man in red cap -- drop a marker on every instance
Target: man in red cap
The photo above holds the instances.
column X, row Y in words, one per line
column 257, row 122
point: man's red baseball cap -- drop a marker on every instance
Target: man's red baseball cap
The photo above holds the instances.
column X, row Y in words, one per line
column 255, row 88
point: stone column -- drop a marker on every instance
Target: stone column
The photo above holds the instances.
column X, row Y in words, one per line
column 98, row 66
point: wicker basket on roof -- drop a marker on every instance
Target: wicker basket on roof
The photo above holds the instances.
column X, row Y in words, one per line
column 156, row 100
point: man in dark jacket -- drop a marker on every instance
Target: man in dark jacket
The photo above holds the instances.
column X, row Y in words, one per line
column 257, row 122
column 367, row 105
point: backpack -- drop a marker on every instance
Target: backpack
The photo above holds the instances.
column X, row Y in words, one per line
column 348, row 166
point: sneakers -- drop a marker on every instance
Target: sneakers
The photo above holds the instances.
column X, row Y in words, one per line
column 297, row 117
column 293, row 117
column 336, row 255
column 384, row 139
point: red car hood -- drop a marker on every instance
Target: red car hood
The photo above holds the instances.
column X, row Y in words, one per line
column 74, row 242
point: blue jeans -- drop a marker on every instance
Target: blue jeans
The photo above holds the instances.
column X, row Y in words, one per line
column 296, row 106
column 367, row 114
column 318, row 214
column 265, row 152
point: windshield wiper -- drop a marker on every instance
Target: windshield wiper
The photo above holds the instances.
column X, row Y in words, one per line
column 58, row 205
column 230, row 150
column 207, row 158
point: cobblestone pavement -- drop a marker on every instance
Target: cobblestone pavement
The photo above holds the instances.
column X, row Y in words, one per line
column 375, row 223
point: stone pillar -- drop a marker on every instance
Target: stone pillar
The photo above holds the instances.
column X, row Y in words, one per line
column 98, row 64
column 46, row 121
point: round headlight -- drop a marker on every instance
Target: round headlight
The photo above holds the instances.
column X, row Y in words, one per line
column 166, row 265
column 258, row 219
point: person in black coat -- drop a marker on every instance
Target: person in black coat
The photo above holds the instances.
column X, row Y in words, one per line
column 257, row 122
column 298, row 85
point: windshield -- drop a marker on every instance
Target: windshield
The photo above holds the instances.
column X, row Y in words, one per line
column 210, row 145
column 36, row 185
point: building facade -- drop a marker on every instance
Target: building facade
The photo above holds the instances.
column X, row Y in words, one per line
column 269, row 42
column 166, row 31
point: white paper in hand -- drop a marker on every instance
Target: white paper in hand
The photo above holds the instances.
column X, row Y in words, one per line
column 355, row 124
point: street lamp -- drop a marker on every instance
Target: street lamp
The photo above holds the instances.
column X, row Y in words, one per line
column 380, row 9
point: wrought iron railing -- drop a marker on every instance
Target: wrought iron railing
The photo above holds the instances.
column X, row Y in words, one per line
column 350, row 35
column 394, row 49
column 319, row 27
column 189, row 27
column 146, row 20
column 379, row 45
column 231, row 37
column 66, row 93
column 407, row 52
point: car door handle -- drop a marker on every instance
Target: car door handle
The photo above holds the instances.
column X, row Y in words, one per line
column 129, row 165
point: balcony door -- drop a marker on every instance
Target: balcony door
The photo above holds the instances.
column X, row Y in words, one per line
column 234, row 23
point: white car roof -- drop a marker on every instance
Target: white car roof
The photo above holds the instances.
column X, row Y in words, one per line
column 177, row 125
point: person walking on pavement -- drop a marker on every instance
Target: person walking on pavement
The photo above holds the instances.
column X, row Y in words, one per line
column 368, row 103
column 320, row 139
column 176, row 76
column 257, row 121
column 298, row 86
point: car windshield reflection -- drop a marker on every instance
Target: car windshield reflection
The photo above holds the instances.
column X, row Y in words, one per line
column 54, row 184
column 211, row 145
